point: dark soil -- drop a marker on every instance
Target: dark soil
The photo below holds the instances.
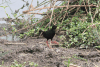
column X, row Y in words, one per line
column 37, row 51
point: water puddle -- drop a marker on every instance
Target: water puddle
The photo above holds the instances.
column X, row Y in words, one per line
column 10, row 37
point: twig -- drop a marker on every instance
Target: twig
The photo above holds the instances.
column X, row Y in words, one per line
column 37, row 13
column 71, row 18
column 85, row 7
column 93, row 25
column 97, row 10
column 52, row 14
column 65, row 13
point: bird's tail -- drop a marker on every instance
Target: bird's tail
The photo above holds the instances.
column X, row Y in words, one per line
column 40, row 31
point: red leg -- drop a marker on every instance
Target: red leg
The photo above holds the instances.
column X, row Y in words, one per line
column 55, row 42
column 47, row 43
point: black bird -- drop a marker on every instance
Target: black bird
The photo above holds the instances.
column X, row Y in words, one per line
column 49, row 34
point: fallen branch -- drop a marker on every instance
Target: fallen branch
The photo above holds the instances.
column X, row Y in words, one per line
column 15, row 43
column 60, row 7
column 37, row 13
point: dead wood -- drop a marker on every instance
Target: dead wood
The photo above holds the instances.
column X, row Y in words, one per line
column 15, row 43
column 59, row 7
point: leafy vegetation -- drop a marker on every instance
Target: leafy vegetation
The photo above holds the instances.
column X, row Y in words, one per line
column 78, row 36
column 82, row 28
column 16, row 64
column 81, row 24
column 80, row 31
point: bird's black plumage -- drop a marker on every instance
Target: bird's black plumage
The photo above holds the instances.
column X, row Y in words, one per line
column 50, row 33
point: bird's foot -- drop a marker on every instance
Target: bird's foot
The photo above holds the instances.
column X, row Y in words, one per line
column 55, row 42
column 50, row 47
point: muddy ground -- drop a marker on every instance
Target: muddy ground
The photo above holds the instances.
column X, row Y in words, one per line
column 36, row 51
